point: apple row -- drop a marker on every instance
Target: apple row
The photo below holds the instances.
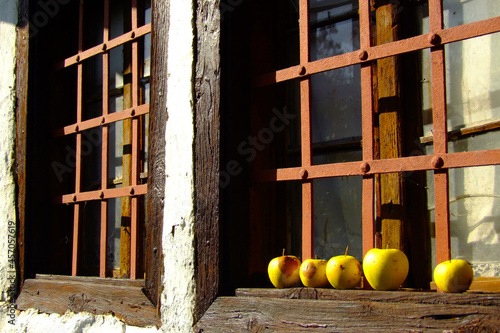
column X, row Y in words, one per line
column 384, row 269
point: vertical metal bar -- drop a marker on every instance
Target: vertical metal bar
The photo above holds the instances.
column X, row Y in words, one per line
column 78, row 168
column 305, row 97
column 441, row 178
column 104, row 141
column 135, row 149
column 368, row 205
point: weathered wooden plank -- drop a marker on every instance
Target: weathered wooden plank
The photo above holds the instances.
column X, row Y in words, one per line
column 255, row 314
column 156, row 157
column 419, row 297
column 22, row 55
column 127, row 303
column 207, row 154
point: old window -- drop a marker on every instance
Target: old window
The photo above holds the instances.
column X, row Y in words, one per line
column 373, row 124
column 88, row 106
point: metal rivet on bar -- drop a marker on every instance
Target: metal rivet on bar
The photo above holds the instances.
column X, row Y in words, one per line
column 101, row 195
column 302, row 70
column 77, row 58
column 437, row 162
column 365, row 167
column 132, row 34
column 132, row 112
column 104, row 47
column 132, row 191
column 363, row 55
column 103, row 120
column 73, row 198
column 303, row 174
column 434, row 39
column 77, row 128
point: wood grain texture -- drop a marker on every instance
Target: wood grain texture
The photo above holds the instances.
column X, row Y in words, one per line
column 207, row 154
column 156, row 159
column 256, row 314
column 402, row 296
column 52, row 294
column 22, row 55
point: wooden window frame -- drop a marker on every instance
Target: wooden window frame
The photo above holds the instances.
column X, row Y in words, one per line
column 50, row 293
column 258, row 313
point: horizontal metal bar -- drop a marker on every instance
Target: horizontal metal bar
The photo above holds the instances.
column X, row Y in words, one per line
column 102, row 120
column 412, row 44
column 403, row 164
column 104, row 47
column 128, row 191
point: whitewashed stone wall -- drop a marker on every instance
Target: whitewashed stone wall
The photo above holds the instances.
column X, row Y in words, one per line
column 178, row 295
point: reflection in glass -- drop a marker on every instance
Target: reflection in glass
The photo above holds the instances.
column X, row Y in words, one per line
column 337, row 216
column 334, row 27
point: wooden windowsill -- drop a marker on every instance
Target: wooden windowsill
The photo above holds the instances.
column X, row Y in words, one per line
column 125, row 299
column 327, row 310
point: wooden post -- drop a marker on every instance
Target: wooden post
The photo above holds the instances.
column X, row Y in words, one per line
column 127, row 151
column 390, row 129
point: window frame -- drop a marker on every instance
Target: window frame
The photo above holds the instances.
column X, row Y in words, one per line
column 150, row 287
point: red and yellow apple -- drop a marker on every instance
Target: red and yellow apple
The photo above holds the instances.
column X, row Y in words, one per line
column 453, row 276
column 283, row 271
column 313, row 273
column 343, row 272
column 385, row 269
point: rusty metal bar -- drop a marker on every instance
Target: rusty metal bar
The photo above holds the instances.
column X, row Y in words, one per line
column 368, row 205
column 103, row 120
column 412, row 44
column 306, row 145
column 78, row 148
column 115, row 42
column 440, row 131
column 105, row 142
column 402, row 164
column 128, row 191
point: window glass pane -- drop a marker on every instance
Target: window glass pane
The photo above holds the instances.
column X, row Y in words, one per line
column 337, row 216
column 115, row 153
column 93, row 22
column 336, row 110
column 92, row 88
column 473, row 82
column 458, row 12
column 91, row 153
column 334, row 27
column 116, row 19
column 475, row 217
column 114, row 227
column 89, row 238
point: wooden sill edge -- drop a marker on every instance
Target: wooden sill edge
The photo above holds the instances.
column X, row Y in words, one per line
column 59, row 294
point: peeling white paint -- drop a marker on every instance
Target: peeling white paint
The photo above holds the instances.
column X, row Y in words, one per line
column 8, row 21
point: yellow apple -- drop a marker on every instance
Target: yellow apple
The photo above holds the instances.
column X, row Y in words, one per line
column 453, row 276
column 385, row 269
column 343, row 272
column 284, row 271
column 313, row 273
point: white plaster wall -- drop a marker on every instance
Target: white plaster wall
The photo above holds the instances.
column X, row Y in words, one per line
column 8, row 21
column 178, row 231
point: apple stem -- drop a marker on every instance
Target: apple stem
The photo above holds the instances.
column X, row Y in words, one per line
column 315, row 256
column 346, row 249
column 283, row 251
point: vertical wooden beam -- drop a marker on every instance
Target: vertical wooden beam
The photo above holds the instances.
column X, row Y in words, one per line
column 22, row 52
column 390, row 129
column 156, row 160
column 207, row 154
column 126, row 215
